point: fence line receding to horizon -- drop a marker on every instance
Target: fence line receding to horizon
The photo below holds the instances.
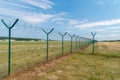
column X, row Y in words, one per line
column 17, row 53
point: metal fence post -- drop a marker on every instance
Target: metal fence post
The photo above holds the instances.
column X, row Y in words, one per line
column 76, row 41
column 71, row 36
column 9, row 44
column 82, row 42
column 76, row 37
column 93, row 34
column 47, row 44
column 62, row 41
column 79, row 41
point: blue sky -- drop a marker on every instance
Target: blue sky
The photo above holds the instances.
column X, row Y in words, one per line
column 80, row 17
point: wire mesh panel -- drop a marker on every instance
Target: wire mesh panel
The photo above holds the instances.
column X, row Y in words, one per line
column 3, row 59
column 67, row 45
column 54, row 45
column 27, row 51
column 3, row 51
column 74, row 43
column 34, row 44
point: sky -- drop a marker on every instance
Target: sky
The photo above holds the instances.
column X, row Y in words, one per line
column 80, row 17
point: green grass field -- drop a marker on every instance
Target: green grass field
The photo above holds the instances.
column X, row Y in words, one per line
column 81, row 65
column 103, row 65
column 26, row 54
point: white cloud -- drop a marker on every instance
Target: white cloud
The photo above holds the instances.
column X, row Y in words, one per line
column 113, row 28
column 100, row 23
column 107, row 36
column 16, row 9
column 39, row 18
column 113, row 35
column 59, row 17
column 114, row 31
column 26, row 4
column 44, row 4
column 36, row 18
column 100, row 30
column 58, row 20
column 77, row 22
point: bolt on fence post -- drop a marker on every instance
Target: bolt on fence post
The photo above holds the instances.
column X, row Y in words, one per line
column 62, row 41
column 9, row 44
column 71, row 36
column 93, row 34
column 47, row 33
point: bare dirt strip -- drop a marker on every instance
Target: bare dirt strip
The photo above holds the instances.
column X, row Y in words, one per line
column 38, row 70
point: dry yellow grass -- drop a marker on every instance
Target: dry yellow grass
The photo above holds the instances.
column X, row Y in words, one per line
column 81, row 65
column 27, row 54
